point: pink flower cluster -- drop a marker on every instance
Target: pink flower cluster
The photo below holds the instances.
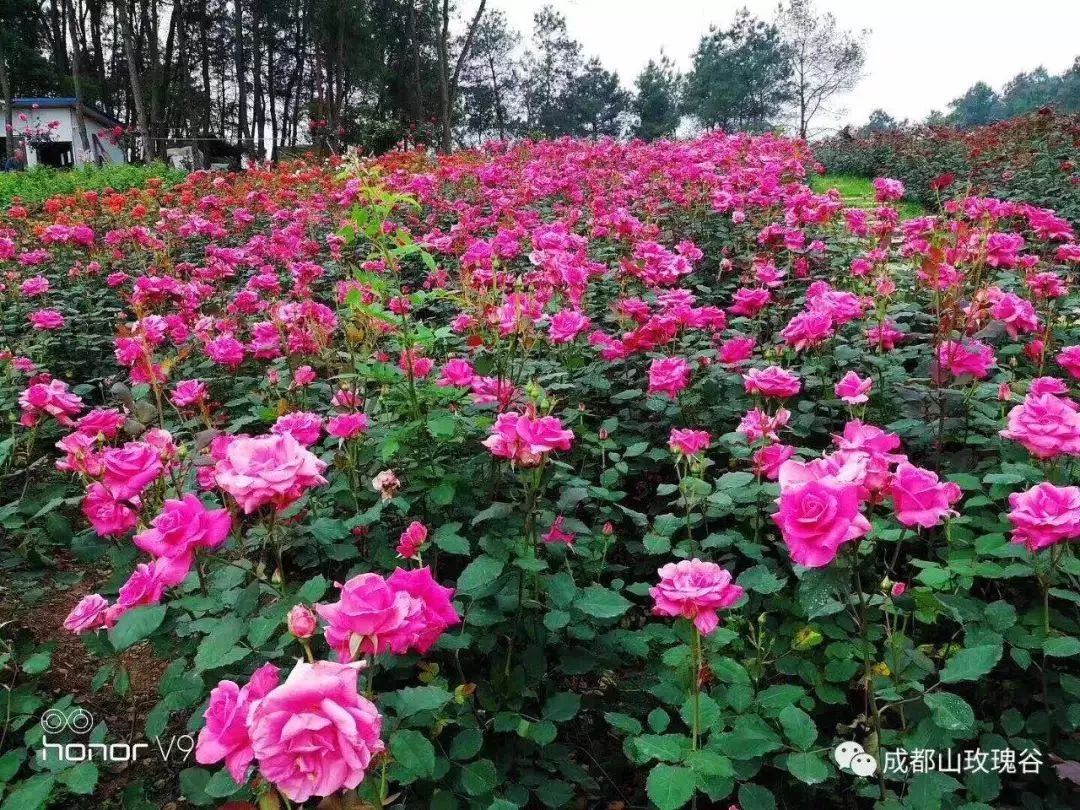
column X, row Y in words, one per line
column 525, row 438
column 694, row 590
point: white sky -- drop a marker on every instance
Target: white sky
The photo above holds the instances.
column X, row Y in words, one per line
column 921, row 53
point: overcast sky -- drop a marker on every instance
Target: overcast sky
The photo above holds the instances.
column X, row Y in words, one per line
column 921, row 53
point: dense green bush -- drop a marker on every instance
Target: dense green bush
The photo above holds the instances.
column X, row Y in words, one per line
column 41, row 183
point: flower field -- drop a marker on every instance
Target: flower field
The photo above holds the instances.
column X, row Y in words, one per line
column 566, row 474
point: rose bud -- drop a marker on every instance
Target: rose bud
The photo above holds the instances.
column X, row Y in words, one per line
column 301, row 622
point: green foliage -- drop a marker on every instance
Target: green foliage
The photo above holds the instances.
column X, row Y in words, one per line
column 40, row 183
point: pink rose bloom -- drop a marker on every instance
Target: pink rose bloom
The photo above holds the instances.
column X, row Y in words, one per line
column 50, row 398
column 688, row 442
column 668, row 375
column 347, row 425
column 1046, row 425
column 144, row 587
column 749, row 302
column 1045, row 515
column 130, row 469
column 920, row 499
column 367, row 616
column 886, row 189
column 772, row 382
column 34, row 286
column 303, row 426
column 695, row 590
column 1047, row 385
column 109, row 517
column 102, row 421
column 434, row 613
column 968, row 357
column 386, row 484
column 457, row 372
column 188, row 393
column 225, row 735
column 556, row 533
column 815, row 519
column 80, row 455
column 884, row 337
column 301, row 622
column 315, row 734
column 411, row 539
column 1069, row 359
column 525, row 438
column 757, row 424
column 736, row 350
column 1018, row 314
column 46, row 320
column 304, row 375
column 898, row 590
column 768, row 460
column 853, row 390
column 184, row 526
column 273, row 469
column 226, row 351
column 807, row 329
column 343, row 398
column 567, row 325
column 88, row 615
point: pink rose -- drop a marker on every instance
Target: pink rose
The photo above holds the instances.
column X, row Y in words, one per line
column 226, row 351
column 1047, row 385
column 386, row 484
column 556, row 533
column 50, row 398
column 688, row 442
column 1069, row 359
column 102, row 421
column 315, row 734
column 109, row 517
column 768, row 460
column 188, row 393
column 1045, row 515
column 46, row 320
column 818, row 517
column 886, row 189
column 757, row 424
column 457, row 372
column 736, row 350
column 130, row 469
column 434, row 611
column 695, row 590
column 88, row 615
column 853, row 390
column 898, row 590
column 919, row 498
column 346, row 426
column 302, row 426
column 304, row 375
column 807, row 329
column 367, row 615
column 184, row 526
column 969, row 357
column 772, row 382
column 525, row 438
column 272, row 469
column 144, row 587
column 411, row 539
column 225, row 735
column 567, row 325
column 1046, row 425
column 301, row 622
column 669, row 376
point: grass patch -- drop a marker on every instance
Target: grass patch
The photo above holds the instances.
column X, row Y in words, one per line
column 39, row 184
column 858, row 192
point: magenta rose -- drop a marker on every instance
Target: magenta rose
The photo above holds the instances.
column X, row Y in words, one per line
column 818, row 517
column 435, row 613
column 315, row 734
column 919, row 498
column 267, row 469
column 773, row 382
column 668, row 376
column 302, row 426
column 109, row 517
column 1046, row 425
column 130, row 469
column 695, row 590
column 183, row 526
column 301, row 622
column 225, row 735
column 88, row 615
column 367, row 616
column 1045, row 515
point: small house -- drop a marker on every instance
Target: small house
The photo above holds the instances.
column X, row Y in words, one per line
column 50, row 135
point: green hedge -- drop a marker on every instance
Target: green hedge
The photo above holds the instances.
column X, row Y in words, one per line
column 39, row 184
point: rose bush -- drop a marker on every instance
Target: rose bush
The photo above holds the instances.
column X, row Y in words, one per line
column 571, row 472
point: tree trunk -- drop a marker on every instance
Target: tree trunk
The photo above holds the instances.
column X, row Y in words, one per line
column 498, row 99
column 241, row 74
column 256, row 78
column 204, row 56
column 9, row 120
column 135, row 78
column 76, row 83
column 448, row 84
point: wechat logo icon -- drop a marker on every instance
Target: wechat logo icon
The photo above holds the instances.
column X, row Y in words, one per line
column 852, row 755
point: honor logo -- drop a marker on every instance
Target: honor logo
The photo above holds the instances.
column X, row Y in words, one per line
column 79, row 722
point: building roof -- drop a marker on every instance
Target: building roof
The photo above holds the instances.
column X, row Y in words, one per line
column 66, row 102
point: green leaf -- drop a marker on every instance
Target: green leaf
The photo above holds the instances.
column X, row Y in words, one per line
column 415, row 699
column 219, row 648
column 37, row 663
column 221, row 785
column 925, row 792
column 441, row 424
column 971, row 663
column 950, row 711
column 665, row 747
column 466, row 744
column 756, row 797
column 193, row 782
column 808, row 768
column 313, row 590
column 479, row 778
column 1062, row 647
column 670, row 786
column 761, row 580
column 798, row 727
column 31, row 794
column 479, row 574
column 709, row 763
column 135, row 625
column 750, row 738
column 602, row 603
column 82, row 779
column 447, row 538
column 623, row 722
column 562, row 707
column 413, row 752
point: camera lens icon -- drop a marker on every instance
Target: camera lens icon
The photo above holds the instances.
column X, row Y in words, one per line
column 78, row 720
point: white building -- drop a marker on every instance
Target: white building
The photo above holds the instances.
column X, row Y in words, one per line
column 50, row 134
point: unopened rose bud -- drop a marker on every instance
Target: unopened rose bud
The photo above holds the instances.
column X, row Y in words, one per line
column 603, row 435
column 898, row 589
column 1004, row 393
column 608, row 529
column 301, row 622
